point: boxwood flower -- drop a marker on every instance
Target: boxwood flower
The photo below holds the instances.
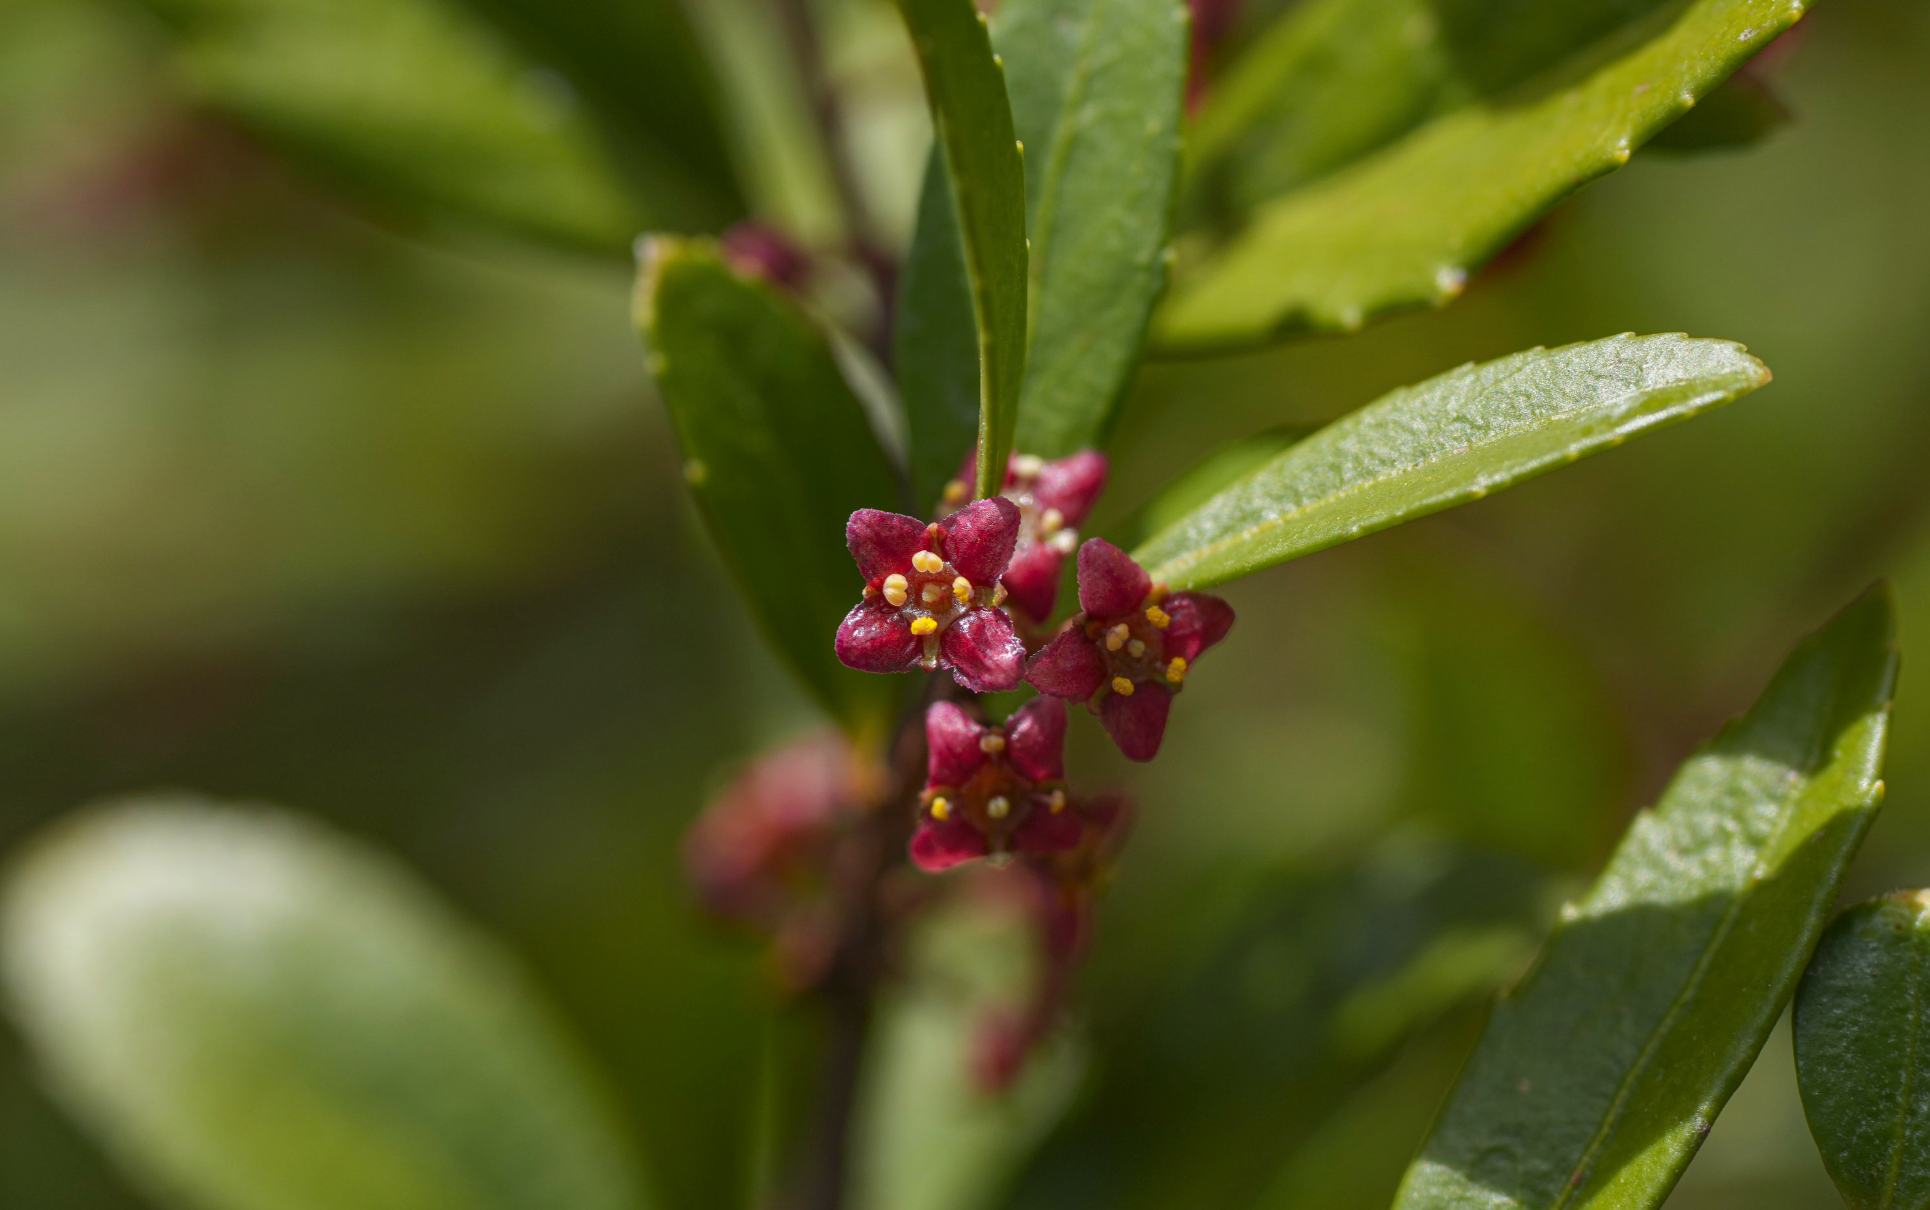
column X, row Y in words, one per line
column 994, row 790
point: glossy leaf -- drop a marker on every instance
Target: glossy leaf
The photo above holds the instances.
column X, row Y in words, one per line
column 1407, row 226
column 1599, row 1075
column 1861, row 1016
column 638, row 65
column 1741, row 113
column 254, row 1013
column 1447, row 441
column 1096, row 92
column 777, row 451
column 973, row 121
column 416, row 106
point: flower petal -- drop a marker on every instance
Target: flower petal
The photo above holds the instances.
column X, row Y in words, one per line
column 1072, row 485
column 1199, row 621
column 1045, row 832
column 874, row 637
column 1137, row 721
column 1032, row 580
column 1069, row 666
column 1036, row 740
column 1111, row 585
column 883, row 542
column 941, row 844
column 951, row 741
column 984, row 651
column 980, row 537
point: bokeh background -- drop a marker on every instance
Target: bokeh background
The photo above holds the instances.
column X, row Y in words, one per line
column 388, row 529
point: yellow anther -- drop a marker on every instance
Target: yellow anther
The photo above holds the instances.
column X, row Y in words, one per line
column 1176, row 671
column 1158, row 617
column 931, row 593
column 923, row 626
column 956, row 491
column 1135, row 648
column 1058, row 801
column 941, row 809
column 1027, row 466
column 991, row 741
column 1122, row 686
column 999, row 807
column 962, row 589
column 1052, row 521
column 896, row 587
column 927, row 562
column 998, row 595
column 1116, row 637
column 1155, row 594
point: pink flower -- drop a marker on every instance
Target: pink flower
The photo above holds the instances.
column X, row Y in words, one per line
column 994, row 789
column 1054, row 499
column 1129, row 652
column 931, row 595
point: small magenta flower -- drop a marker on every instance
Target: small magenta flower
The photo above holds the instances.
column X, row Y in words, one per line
column 932, row 596
column 1054, row 499
column 994, row 790
column 1129, row 652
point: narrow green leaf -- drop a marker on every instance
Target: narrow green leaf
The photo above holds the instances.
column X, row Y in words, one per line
column 254, row 1013
column 638, row 66
column 1202, row 481
column 973, row 121
column 1600, row 1074
column 411, row 104
column 1741, row 113
column 779, row 454
column 1097, row 87
column 1407, row 226
column 1447, row 441
column 935, row 343
column 1862, row 1016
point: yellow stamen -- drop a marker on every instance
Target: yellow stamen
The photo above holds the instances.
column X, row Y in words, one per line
column 1052, row 521
column 1116, row 637
column 1176, row 671
column 927, row 562
column 1122, row 686
column 1155, row 594
column 999, row 807
column 941, row 809
column 1158, row 617
column 923, row 626
column 896, row 587
column 962, row 589
column 1027, row 466
column 1058, row 801
column 956, row 491
column 998, row 595
column 1135, row 648
column 991, row 741
column 931, row 593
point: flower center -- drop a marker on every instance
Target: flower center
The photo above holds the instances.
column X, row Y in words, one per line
column 933, row 595
column 1134, row 647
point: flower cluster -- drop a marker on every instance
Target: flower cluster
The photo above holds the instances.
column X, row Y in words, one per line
column 1054, row 499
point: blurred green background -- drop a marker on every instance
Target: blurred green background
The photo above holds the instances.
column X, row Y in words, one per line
column 296, row 509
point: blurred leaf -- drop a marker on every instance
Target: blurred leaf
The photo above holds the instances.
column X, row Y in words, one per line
column 1449, row 440
column 1096, row 89
column 412, row 104
column 1740, row 113
column 1600, row 1074
column 639, row 66
column 1860, row 1016
column 935, row 349
column 779, row 454
column 254, row 1013
column 1230, row 1061
column 1407, row 226
column 1202, row 481
column 965, row 84
column 930, row 1138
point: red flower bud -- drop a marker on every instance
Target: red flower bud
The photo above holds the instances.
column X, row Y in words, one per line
column 1129, row 652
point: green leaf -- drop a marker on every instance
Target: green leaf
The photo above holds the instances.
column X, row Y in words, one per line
column 1861, row 1016
column 1407, row 226
column 638, row 65
column 1096, row 92
column 1447, row 441
column 1739, row 114
column 413, row 105
column 779, row 454
column 1599, row 1075
column 1202, row 481
column 255, row 1013
column 935, row 349
column 973, row 119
